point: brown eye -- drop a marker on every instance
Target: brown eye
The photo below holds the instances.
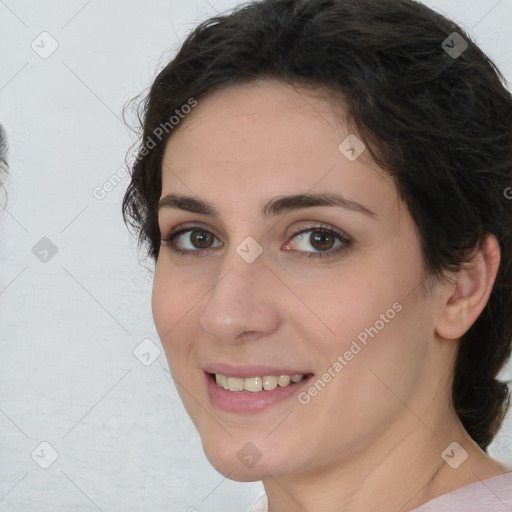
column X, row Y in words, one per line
column 194, row 240
column 318, row 241
column 321, row 241
column 201, row 239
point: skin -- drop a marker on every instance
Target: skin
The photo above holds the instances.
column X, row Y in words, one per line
column 372, row 438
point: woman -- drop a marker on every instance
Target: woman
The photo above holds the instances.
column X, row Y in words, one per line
column 321, row 185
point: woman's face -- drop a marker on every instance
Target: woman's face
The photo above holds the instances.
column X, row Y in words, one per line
column 270, row 287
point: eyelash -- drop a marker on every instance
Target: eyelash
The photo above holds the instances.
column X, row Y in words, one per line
column 168, row 241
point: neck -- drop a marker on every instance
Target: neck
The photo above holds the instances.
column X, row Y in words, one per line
column 401, row 470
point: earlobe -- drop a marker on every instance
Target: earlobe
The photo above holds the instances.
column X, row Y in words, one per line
column 463, row 301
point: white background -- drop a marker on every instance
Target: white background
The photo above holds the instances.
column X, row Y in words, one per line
column 69, row 326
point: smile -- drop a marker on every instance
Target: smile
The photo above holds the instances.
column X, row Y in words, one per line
column 256, row 384
column 253, row 394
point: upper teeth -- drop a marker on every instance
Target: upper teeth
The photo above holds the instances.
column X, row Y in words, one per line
column 255, row 384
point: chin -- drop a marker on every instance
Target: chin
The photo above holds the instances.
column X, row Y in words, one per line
column 231, row 467
column 241, row 461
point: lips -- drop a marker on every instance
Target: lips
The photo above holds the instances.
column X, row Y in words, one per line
column 238, row 399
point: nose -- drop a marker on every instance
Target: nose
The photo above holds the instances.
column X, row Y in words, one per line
column 243, row 302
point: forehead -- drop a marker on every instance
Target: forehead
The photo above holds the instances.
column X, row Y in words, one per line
column 256, row 138
column 266, row 119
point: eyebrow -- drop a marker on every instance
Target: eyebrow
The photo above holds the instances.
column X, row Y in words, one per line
column 276, row 206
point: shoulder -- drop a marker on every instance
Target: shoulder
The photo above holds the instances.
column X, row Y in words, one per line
column 260, row 505
column 493, row 495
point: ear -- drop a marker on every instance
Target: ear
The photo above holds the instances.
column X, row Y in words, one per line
column 463, row 301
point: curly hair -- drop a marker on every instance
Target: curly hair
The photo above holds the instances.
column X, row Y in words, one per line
column 438, row 121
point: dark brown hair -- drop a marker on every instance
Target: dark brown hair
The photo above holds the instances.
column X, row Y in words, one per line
column 437, row 120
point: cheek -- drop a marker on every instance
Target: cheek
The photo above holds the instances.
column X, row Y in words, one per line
column 161, row 297
column 363, row 385
column 383, row 341
column 342, row 306
column 173, row 295
column 171, row 302
column 370, row 319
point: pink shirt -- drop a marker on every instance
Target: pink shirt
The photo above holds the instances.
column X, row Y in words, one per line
column 492, row 495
